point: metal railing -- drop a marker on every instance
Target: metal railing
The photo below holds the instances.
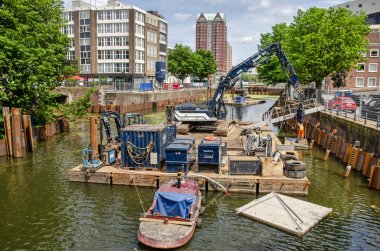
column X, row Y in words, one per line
column 361, row 115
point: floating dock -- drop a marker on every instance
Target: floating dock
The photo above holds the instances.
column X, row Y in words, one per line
column 271, row 180
column 291, row 215
column 247, row 102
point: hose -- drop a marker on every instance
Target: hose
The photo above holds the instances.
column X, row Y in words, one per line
column 139, row 155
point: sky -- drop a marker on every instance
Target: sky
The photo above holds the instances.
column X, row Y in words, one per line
column 246, row 19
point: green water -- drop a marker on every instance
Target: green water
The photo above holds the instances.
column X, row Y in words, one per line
column 41, row 210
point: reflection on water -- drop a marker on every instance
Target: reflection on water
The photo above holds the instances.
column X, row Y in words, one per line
column 41, row 210
column 252, row 113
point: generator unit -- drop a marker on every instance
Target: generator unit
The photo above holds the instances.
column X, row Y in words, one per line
column 143, row 145
column 109, row 156
column 179, row 157
column 210, row 154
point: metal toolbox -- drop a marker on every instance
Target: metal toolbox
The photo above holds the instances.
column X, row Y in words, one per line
column 172, row 133
column 244, row 165
column 174, row 166
column 210, row 152
column 143, row 145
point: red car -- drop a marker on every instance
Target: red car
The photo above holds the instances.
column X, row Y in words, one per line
column 341, row 104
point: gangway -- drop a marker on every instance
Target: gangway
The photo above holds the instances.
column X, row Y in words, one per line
column 279, row 114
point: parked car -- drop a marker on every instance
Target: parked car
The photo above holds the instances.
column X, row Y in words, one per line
column 357, row 98
column 341, row 104
column 344, row 93
column 369, row 99
column 372, row 109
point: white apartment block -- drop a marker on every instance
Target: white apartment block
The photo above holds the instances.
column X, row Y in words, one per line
column 115, row 43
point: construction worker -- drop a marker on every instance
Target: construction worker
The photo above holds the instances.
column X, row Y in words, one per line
column 301, row 131
column 299, row 113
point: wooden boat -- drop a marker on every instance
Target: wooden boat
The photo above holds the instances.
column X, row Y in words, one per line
column 171, row 219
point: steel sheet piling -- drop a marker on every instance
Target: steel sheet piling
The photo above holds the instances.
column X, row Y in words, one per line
column 17, row 133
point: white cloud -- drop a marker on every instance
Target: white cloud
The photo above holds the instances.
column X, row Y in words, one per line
column 247, row 39
column 182, row 16
column 265, row 4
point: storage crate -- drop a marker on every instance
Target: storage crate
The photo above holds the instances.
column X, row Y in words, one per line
column 137, row 138
column 209, row 152
column 179, row 152
column 244, row 165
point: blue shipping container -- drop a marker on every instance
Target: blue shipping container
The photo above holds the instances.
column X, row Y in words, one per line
column 143, row 145
column 146, row 87
column 210, row 152
column 190, row 141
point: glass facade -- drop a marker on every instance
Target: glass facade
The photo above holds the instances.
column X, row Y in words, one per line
column 374, row 18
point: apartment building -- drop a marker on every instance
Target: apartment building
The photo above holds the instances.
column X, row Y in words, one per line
column 115, row 43
column 211, row 34
column 365, row 77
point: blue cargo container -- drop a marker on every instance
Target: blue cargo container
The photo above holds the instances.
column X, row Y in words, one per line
column 146, row 87
column 143, row 145
column 190, row 141
column 240, row 99
column 210, row 152
column 172, row 132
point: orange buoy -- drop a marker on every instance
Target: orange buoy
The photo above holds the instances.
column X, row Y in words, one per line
column 210, row 138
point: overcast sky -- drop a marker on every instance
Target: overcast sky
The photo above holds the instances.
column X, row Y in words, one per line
column 246, row 19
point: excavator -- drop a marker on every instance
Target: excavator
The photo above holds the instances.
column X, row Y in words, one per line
column 213, row 115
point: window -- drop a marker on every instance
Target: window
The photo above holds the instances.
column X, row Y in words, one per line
column 84, row 15
column 68, row 16
column 139, row 42
column 364, row 54
column 139, row 30
column 371, row 82
column 372, row 67
column 139, row 68
column 71, row 55
column 139, row 17
column 139, row 55
column 359, row 82
column 347, row 6
column 374, row 53
column 361, row 67
column 360, row 5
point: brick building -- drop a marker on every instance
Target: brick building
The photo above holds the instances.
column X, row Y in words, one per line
column 211, row 34
column 115, row 43
column 366, row 76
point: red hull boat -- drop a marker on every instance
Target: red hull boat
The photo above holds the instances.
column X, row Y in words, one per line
column 171, row 220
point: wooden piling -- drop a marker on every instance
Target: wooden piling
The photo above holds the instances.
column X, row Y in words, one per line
column 347, row 171
column 367, row 159
column 94, row 135
column 28, row 132
column 374, row 181
column 347, row 152
column 17, row 133
column 8, row 134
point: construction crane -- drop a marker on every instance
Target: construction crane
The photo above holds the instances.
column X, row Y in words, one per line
column 213, row 115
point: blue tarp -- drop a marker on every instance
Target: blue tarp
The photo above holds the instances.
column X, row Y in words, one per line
column 173, row 204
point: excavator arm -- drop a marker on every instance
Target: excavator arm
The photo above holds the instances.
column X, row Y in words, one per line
column 106, row 123
column 216, row 105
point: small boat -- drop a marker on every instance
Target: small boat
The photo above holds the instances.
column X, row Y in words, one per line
column 171, row 219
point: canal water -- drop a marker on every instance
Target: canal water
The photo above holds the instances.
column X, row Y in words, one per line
column 41, row 210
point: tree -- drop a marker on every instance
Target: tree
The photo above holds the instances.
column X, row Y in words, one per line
column 205, row 64
column 271, row 72
column 181, row 61
column 326, row 42
column 32, row 55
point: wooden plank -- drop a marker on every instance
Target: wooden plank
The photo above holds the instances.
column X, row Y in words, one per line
column 291, row 215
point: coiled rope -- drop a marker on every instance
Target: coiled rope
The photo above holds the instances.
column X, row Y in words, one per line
column 139, row 155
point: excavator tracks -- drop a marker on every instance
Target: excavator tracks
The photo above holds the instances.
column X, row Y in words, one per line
column 224, row 127
column 184, row 128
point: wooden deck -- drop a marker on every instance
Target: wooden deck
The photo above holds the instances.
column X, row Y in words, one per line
column 234, row 183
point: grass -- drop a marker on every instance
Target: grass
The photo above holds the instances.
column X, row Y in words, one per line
column 155, row 118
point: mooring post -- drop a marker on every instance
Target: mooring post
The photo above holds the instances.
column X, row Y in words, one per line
column 365, row 118
column 17, row 133
column 377, row 120
column 206, row 186
column 257, row 187
column 8, row 133
column 94, row 135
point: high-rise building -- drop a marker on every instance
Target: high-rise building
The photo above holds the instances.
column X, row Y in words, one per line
column 229, row 56
column 366, row 75
column 115, row 43
column 211, row 34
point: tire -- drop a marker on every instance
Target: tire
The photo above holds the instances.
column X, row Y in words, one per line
column 295, row 165
column 295, row 174
column 286, row 157
column 199, row 223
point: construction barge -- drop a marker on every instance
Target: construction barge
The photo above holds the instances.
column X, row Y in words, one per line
column 235, row 167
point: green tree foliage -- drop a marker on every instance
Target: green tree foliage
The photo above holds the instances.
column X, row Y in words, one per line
column 181, row 61
column 319, row 43
column 78, row 107
column 326, row 42
column 271, row 72
column 248, row 77
column 32, row 55
column 205, row 64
